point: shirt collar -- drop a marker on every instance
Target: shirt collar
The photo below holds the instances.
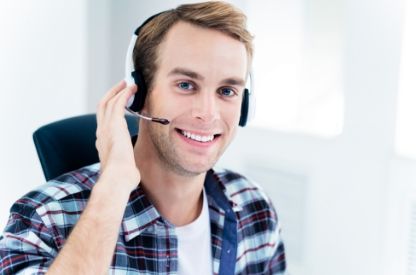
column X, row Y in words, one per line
column 140, row 212
column 220, row 191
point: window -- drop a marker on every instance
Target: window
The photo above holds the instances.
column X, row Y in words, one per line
column 297, row 67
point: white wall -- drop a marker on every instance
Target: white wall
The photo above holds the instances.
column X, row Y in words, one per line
column 42, row 79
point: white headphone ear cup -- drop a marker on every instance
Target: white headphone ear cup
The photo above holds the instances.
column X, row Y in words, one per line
column 251, row 98
column 129, row 66
column 129, row 80
column 130, row 101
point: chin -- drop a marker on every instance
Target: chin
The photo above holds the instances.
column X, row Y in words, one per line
column 194, row 169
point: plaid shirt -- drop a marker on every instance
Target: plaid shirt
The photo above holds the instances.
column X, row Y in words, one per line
column 244, row 228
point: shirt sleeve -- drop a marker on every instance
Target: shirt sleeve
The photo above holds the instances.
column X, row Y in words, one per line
column 277, row 262
column 27, row 246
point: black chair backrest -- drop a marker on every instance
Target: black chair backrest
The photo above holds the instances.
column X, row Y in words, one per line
column 69, row 144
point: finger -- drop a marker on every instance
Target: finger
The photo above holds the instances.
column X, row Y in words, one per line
column 120, row 102
column 103, row 102
column 115, row 108
column 114, row 90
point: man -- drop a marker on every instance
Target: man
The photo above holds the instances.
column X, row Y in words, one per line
column 158, row 207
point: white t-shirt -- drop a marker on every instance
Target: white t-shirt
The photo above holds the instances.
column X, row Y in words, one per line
column 194, row 244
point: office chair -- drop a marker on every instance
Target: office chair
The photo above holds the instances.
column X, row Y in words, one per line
column 69, row 144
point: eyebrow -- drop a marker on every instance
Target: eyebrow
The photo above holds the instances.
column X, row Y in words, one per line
column 192, row 74
column 186, row 72
column 234, row 82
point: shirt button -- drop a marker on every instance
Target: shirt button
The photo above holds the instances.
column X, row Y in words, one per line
column 228, row 251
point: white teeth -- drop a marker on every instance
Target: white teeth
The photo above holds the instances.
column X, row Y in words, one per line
column 197, row 137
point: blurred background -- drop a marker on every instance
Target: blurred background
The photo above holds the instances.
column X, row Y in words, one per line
column 334, row 138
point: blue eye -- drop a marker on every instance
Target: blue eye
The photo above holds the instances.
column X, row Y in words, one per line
column 227, row 92
column 185, row 86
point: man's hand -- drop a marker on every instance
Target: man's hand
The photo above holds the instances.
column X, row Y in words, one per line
column 113, row 139
column 90, row 246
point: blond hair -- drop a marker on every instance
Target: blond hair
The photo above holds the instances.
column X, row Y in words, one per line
column 215, row 15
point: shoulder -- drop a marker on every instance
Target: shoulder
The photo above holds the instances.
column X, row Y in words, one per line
column 241, row 190
column 260, row 246
column 248, row 197
column 67, row 189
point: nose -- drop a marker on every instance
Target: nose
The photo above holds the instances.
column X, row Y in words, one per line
column 206, row 106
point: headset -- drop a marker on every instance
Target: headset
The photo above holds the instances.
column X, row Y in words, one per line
column 136, row 102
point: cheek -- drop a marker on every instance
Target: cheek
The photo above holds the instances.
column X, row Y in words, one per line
column 231, row 114
column 160, row 103
column 171, row 105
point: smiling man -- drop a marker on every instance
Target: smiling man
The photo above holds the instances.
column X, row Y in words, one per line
column 159, row 207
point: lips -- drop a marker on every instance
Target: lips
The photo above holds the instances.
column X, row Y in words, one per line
column 199, row 137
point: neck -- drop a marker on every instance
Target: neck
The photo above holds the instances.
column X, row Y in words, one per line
column 178, row 198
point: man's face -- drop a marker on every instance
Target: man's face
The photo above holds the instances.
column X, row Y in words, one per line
column 199, row 88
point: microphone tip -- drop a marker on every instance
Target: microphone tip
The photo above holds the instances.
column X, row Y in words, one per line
column 161, row 121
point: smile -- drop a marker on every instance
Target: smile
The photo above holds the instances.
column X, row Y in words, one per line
column 197, row 137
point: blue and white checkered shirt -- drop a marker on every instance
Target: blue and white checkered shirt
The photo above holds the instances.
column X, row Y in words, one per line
column 245, row 232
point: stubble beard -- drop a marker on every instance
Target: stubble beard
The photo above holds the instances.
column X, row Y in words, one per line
column 170, row 157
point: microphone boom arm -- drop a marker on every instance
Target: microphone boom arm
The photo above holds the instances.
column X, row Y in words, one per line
column 162, row 121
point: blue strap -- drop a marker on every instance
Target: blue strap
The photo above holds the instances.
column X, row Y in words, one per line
column 229, row 238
